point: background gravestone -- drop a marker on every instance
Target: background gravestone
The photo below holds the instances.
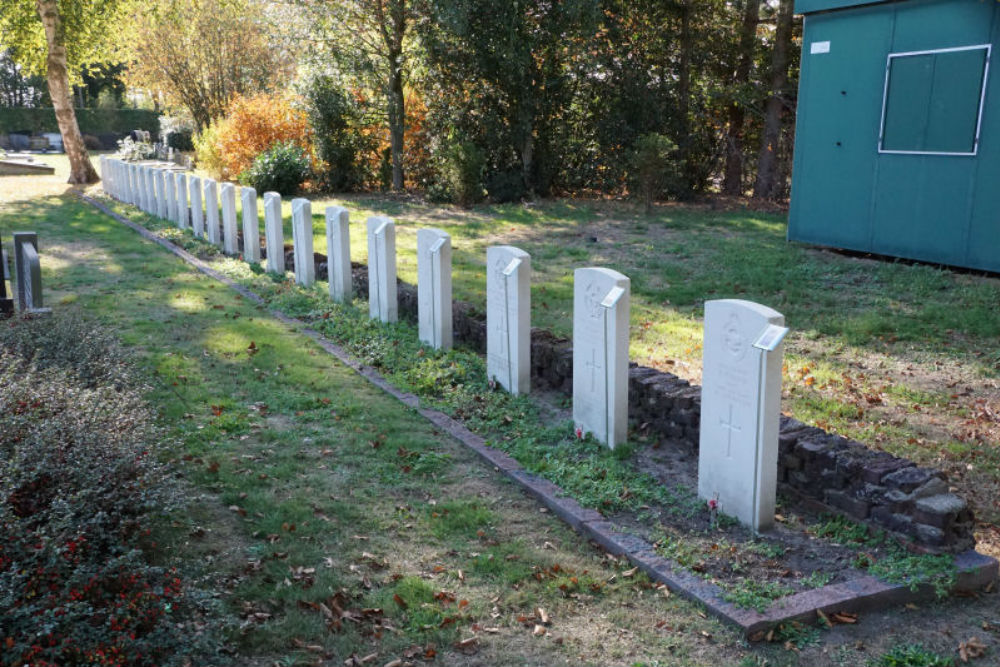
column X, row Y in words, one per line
column 230, row 242
column 508, row 318
column 251, row 226
column 338, row 253
column 302, row 242
column 600, row 353
column 160, row 189
column 181, row 207
column 28, row 273
column 6, row 300
column 434, row 324
column 212, row 230
column 169, row 193
column 197, row 214
column 740, row 409
column 274, row 234
column 383, row 300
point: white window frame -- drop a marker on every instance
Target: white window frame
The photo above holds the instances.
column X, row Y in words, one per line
column 982, row 99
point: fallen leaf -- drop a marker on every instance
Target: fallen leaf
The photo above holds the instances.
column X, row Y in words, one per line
column 468, row 646
column 971, row 649
column 539, row 630
column 844, row 617
column 630, row 573
column 542, row 616
column 400, row 601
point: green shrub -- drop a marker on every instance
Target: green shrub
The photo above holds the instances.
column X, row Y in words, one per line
column 654, row 170
column 79, row 487
column 181, row 141
column 460, row 173
column 333, row 116
column 282, row 168
column 910, row 655
column 206, row 149
column 506, row 186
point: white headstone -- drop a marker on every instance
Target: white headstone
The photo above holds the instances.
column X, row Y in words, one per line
column 600, row 353
column 230, row 237
column 383, row 302
column 149, row 195
column 251, row 226
column 181, row 206
column 171, row 196
column 508, row 318
column 302, row 242
column 338, row 253
column 133, row 184
column 212, row 227
column 197, row 214
column 434, row 288
column 740, row 409
column 274, row 234
column 160, row 184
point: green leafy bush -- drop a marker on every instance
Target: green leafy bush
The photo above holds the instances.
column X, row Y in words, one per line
column 334, row 117
column 653, row 168
column 206, row 149
column 460, row 166
column 282, row 168
column 79, row 487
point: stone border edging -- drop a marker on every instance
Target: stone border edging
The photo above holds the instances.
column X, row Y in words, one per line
column 865, row 593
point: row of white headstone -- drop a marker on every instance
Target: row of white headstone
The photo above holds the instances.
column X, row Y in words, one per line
column 742, row 344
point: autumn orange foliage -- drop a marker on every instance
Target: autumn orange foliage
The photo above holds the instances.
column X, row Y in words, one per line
column 254, row 124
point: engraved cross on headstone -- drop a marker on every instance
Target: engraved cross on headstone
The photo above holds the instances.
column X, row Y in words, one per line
column 730, row 428
column 594, row 367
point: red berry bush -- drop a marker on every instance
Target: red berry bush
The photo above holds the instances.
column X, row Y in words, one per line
column 80, row 489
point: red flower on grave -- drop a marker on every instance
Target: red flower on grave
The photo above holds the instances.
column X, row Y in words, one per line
column 713, row 504
column 579, row 433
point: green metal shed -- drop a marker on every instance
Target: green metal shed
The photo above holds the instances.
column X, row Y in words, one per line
column 897, row 146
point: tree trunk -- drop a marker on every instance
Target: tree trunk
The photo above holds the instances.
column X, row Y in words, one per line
column 397, row 120
column 733, row 180
column 767, row 185
column 684, row 94
column 81, row 171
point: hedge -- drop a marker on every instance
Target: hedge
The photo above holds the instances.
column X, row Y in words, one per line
column 92, row 121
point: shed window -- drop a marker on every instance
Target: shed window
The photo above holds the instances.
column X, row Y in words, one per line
column 933, row 101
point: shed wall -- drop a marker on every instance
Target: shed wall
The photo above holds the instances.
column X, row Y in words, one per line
column 844, row 192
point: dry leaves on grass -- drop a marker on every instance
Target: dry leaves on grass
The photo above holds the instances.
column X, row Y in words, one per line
column 971, row 649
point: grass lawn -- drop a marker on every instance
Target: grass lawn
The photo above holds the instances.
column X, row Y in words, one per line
column 315, row 488
column 903, row 357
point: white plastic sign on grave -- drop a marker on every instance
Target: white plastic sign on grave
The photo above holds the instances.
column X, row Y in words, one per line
column 434, row 315
column 383, row 301
column 212, row 229
column 251, row 226
column 181, row 209
column 274, row 234
column 197, row 214
column 338, row 253
column 230, row 240
column 508, row 318
column 302, row 242
column 740, row 409
column 600, row 353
